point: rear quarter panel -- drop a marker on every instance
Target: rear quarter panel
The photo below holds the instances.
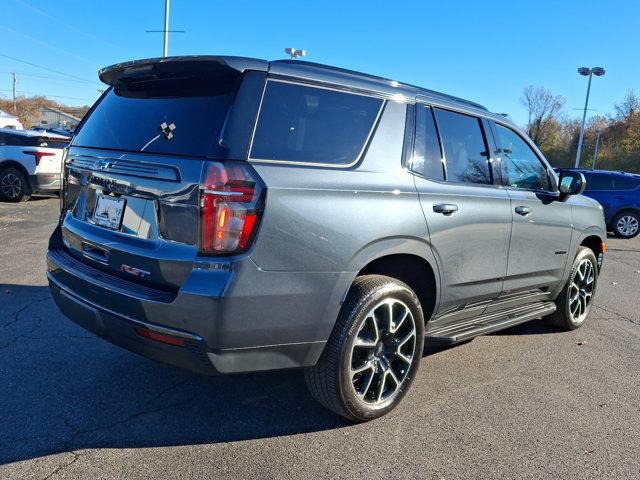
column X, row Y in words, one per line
column 322, row 225
column 324, row 219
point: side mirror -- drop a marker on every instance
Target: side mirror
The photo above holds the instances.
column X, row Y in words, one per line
column 571, row 183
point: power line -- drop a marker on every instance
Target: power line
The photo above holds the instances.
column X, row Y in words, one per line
column 23, row 92
column 62, row 22
column 48, row 77
column 45, row 68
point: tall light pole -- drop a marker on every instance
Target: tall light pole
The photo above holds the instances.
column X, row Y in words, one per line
column 165, row 31
column 165, row 44
column 587, row 72
column 595, row 153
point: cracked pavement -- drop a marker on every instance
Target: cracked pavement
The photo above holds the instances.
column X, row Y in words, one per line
column 529, row 402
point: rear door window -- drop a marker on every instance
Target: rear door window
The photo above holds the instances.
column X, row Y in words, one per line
column 600, row 182
column 299, row 123
column 427, row 156
column 465, row 149
column 626, row 183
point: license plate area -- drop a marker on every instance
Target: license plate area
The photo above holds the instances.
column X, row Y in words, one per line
column 108, row 211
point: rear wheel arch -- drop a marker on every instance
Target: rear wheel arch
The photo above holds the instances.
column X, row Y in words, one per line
column 631, row 209
column 413, row 270
column 12, row 163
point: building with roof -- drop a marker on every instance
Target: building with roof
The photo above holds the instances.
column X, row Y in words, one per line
column 53, row 118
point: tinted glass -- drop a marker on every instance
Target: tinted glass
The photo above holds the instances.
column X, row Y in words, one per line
column 625, row 183
column 521, row 167
column 427, row 158
column 307, row 124
column 464, row 147
column 25, row 141
column 44, row 142
column 169, row 116
column 598, row 181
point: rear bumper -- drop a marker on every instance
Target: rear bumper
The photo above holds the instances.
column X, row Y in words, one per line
column 46, row 182
column 257, row 321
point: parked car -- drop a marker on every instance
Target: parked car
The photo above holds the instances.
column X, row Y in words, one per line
column 228, row 214
column 9, row 121
column 619, row 194
column 57, row 130
column 30, row 162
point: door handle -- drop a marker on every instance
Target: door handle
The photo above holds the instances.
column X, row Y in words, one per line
column 524, row 211
column 445, row 208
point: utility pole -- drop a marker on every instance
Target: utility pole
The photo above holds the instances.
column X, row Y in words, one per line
column 165, row 45
column 13, row 74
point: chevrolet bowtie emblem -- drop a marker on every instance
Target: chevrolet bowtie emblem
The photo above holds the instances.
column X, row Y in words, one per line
column 167, row 130
column 101, row 165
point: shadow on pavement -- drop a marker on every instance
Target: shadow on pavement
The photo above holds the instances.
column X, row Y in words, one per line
column 64, row 389
column 533, row 327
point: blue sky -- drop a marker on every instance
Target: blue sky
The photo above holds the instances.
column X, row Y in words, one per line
column 486, row 51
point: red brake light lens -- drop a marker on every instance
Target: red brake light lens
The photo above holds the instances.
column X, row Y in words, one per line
column 230, row 207
column 38, row 155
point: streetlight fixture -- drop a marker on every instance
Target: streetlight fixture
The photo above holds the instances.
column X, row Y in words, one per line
column 586, row 72
column 293, row 53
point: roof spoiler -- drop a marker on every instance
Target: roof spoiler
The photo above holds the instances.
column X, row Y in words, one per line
column 113, row 73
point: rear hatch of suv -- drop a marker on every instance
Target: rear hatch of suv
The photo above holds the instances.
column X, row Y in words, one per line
column 155, row 176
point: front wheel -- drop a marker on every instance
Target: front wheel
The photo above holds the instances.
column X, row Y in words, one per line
column 626, row 224
column 374, row 350
column 574, row 302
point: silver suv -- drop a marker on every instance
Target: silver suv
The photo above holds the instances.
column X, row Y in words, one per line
column 229, row 214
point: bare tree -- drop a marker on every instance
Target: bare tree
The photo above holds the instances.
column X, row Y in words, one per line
column 629, row 107
column 544, row 111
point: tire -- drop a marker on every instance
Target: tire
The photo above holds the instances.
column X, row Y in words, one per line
column 14, row 186
column 386, row 367
column 626, row 224
column 583, row 279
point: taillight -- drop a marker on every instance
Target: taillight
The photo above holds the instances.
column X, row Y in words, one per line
column 230, row 207
column 38, row 155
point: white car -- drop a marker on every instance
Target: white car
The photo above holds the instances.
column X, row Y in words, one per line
column 30, row 163
column 9, row 121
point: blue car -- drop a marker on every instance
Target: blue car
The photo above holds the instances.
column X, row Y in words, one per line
column 619, row 195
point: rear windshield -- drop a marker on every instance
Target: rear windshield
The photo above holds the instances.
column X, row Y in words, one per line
column 167, row 114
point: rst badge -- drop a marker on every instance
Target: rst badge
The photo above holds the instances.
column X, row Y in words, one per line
column 134, row 271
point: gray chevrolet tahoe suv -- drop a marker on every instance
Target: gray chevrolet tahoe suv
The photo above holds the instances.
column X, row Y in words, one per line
column 228, row 214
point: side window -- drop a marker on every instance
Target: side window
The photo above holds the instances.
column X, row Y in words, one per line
column 300, row 123
column 521, row 167
column 8, row 139
column 427, row 157
column 600, row 182
column 465, row 149
column 625, row 183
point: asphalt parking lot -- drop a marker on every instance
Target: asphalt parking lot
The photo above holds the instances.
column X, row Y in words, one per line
column 529, row 402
